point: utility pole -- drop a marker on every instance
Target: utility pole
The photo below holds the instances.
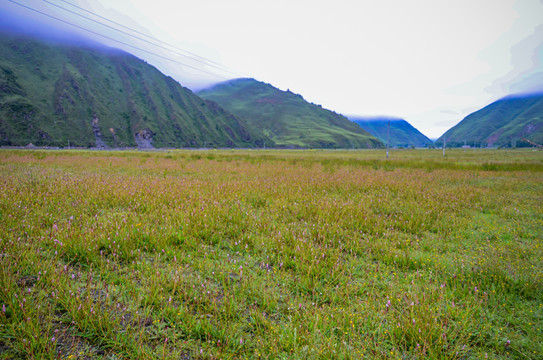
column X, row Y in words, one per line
column 444, row 145
column 388, row 137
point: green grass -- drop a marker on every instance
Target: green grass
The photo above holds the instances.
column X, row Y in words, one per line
column 271, row 254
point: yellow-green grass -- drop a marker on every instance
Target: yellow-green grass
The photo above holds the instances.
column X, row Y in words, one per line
column 271, row 254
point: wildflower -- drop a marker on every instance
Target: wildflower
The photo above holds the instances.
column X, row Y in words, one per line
column 3, row 308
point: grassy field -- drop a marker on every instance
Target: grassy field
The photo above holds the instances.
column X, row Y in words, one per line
column 271, row 254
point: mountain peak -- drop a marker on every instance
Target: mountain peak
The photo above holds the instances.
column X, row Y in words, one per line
column 51, row 94
column 504, row 122
column 287, row 118
column 401, row 132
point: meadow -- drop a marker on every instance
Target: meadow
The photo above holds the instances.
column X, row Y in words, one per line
column 248, row 254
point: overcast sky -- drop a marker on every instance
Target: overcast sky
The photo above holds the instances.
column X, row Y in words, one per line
column 431, row 62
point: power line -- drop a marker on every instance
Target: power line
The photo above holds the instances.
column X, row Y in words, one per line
column 111, row 21
column 148, row 36
column 112, row 39
column 192, row 56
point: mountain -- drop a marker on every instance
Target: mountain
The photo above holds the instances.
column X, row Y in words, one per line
column 60, row 94
column 402, row 133
column 502, row 123
column 287, row 118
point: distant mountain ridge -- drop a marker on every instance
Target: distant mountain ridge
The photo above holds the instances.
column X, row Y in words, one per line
column 502, row 123
column 56, row 94
column 402, row 133
column 287, row 118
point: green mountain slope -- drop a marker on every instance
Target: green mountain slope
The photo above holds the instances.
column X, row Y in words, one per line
column 402, row 133
column 287, row 118
column 502, row 123
column 55, row 94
